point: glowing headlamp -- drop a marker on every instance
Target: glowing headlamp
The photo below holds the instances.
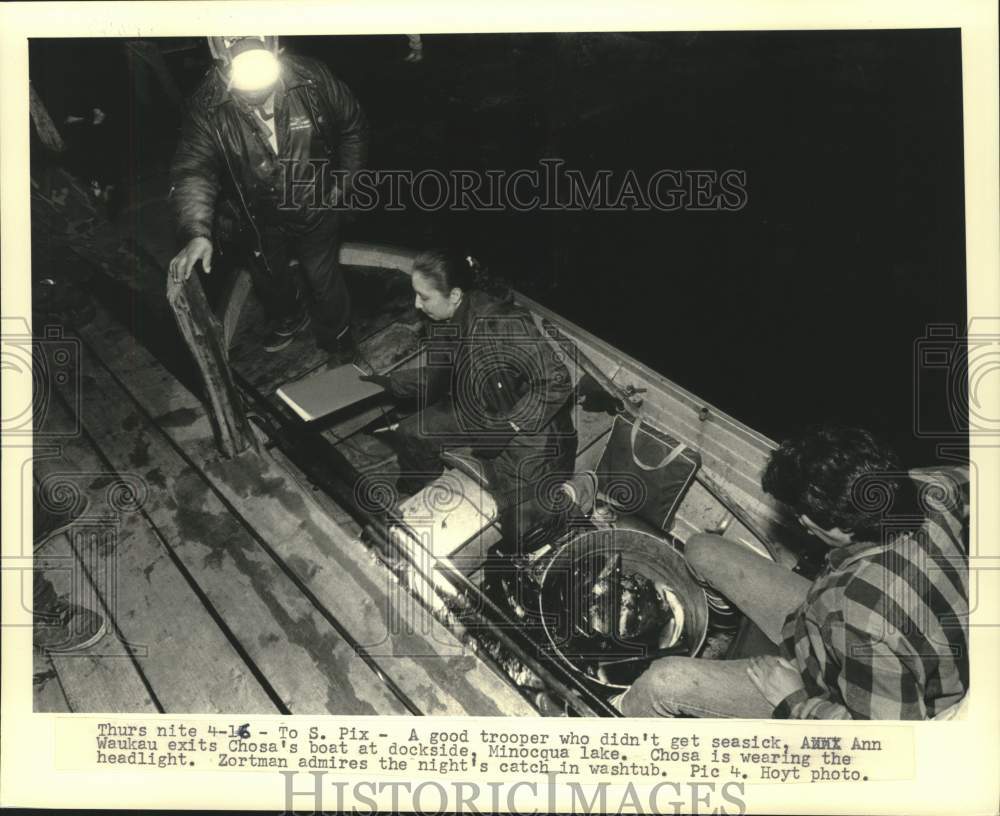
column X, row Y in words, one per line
column 254, row 70
column 247, row 63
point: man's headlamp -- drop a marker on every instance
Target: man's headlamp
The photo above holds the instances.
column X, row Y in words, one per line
column 254, row 70
column 249, row 63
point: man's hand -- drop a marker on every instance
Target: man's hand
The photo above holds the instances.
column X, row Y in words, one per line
column 774, row 677
column 197, row 249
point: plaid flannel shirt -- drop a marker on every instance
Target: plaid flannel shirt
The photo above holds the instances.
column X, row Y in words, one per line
column 883, row 631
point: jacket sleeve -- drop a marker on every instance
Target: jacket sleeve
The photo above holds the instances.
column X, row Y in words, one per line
column 195, row 178
column 517, row 345
column 424, row 384
column 352, row 124
column 405, row 383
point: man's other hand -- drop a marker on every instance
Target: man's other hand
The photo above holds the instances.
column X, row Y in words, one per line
column 197, row 249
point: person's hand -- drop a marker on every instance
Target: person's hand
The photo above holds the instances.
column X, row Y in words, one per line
column 774, row 677
column 197, row 249
column 381, row 380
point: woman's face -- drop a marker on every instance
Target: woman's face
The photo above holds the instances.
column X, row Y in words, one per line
column 431, row 301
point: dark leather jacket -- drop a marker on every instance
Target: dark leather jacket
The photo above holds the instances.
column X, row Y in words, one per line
column 494, row 365
column 223, row 151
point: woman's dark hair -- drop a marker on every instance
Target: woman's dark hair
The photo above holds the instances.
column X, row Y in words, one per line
column 842, row 477
column 450, row 269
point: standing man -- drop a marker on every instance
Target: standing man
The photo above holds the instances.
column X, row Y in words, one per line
column 275, row 140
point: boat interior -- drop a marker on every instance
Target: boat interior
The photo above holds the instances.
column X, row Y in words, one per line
column 288, row 576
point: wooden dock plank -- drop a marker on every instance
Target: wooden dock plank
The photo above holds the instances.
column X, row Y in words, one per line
column 418, row 652
column 100, row 677
column 46, row 692
column 185, row 656
column 308, row 664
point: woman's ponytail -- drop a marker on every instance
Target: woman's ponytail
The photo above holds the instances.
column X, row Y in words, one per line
column 447, row 270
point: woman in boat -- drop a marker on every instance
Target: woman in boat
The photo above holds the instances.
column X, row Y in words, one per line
column 490, row 383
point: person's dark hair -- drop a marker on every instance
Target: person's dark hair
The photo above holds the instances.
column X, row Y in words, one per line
column 449, row 269
column 842, row 477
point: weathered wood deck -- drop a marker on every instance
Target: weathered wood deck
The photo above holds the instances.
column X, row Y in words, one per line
column 232, row 588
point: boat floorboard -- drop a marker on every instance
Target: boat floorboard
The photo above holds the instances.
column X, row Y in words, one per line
column 383, row 321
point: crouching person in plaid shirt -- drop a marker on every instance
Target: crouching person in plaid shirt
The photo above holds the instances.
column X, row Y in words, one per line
column 882, row 631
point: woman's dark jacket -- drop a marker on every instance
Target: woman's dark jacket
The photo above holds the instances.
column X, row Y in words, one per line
column 504, row 383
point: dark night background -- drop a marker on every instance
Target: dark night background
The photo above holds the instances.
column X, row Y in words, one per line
column 804, row 306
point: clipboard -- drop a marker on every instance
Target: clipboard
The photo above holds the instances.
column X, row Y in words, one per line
column 327, row 392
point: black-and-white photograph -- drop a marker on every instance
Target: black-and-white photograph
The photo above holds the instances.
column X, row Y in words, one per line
column 502, row 374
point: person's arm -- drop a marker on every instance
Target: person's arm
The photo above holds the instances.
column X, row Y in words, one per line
column 516, row 345
column 404, row 383
column 874, row 683
column 353, row 126
column 419, row 382
column 945, row 501
column 195, row 178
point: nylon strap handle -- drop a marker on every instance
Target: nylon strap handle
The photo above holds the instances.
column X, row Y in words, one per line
column 671, row 455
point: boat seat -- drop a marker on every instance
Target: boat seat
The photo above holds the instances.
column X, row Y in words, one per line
column 456, row 518
column 453, row 517
column 450, row 524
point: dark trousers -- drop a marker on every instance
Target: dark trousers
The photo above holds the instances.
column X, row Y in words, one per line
column 325, row 294
column 522, row 472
